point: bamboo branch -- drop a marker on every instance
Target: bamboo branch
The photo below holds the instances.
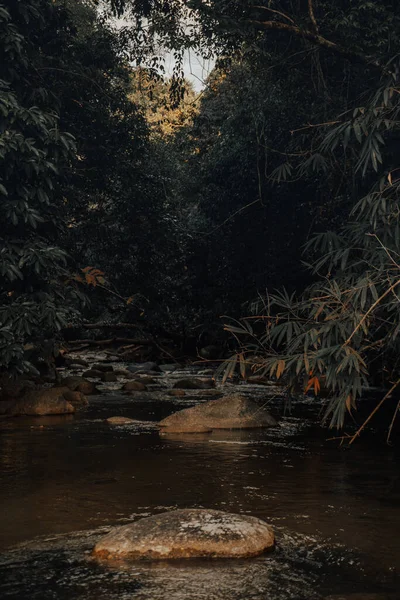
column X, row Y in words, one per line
column 371, row 308
column 392, row 422
column 377, row 407
column 310, row 125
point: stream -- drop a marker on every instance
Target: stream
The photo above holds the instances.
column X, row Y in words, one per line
column 66, row 480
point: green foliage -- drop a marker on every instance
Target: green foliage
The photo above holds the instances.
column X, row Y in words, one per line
column 333, row 335
column 32, row 151
column 152, row 93
column 120, row 192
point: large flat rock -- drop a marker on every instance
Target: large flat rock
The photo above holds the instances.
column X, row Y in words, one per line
column 231, row 412
column 188, row 533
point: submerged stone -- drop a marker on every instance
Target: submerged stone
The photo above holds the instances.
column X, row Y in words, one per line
column 188, row 533
column 231, row 412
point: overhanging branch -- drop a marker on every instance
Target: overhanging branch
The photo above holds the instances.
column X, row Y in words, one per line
column 312, row 16
column 319, row 40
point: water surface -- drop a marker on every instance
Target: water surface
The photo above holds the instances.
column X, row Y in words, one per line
column 65, row 481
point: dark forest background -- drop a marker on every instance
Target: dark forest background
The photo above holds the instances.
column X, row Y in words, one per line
column 272, row 196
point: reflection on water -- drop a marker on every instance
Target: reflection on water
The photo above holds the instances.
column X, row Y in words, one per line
column 66, row 480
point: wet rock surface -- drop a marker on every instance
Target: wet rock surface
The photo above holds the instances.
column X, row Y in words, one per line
column 194, row 383
column 134, row 386
column 94, row 373
column 109, row 377
column 77, row 399
column 80, row 384
column 177, row 393
column 169, row 367
column 231, row 412
column 186, row 534
column 120, row 420
column 49, row 401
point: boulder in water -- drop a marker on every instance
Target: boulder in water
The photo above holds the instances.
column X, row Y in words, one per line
column 134, row 386
column 94, row 373
column 49, row 401
column 194, row 383
column 80, row 384
column 77, row 399
column 188, row 533
column 124, row 373
column 177, row 393
column 231, row 412
column 169, row 368
column 109, row 377
column 76, row 361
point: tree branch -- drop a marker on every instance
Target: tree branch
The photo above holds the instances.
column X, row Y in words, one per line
column 312, row 16
column 319, row 40
column 107, row 325
column 310, row 125
column 117, row 340
column 276, row 12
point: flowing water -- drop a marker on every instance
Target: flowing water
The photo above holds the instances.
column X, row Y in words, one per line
column 65, row 481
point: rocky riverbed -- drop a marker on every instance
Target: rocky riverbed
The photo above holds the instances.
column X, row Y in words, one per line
column 67, row 480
